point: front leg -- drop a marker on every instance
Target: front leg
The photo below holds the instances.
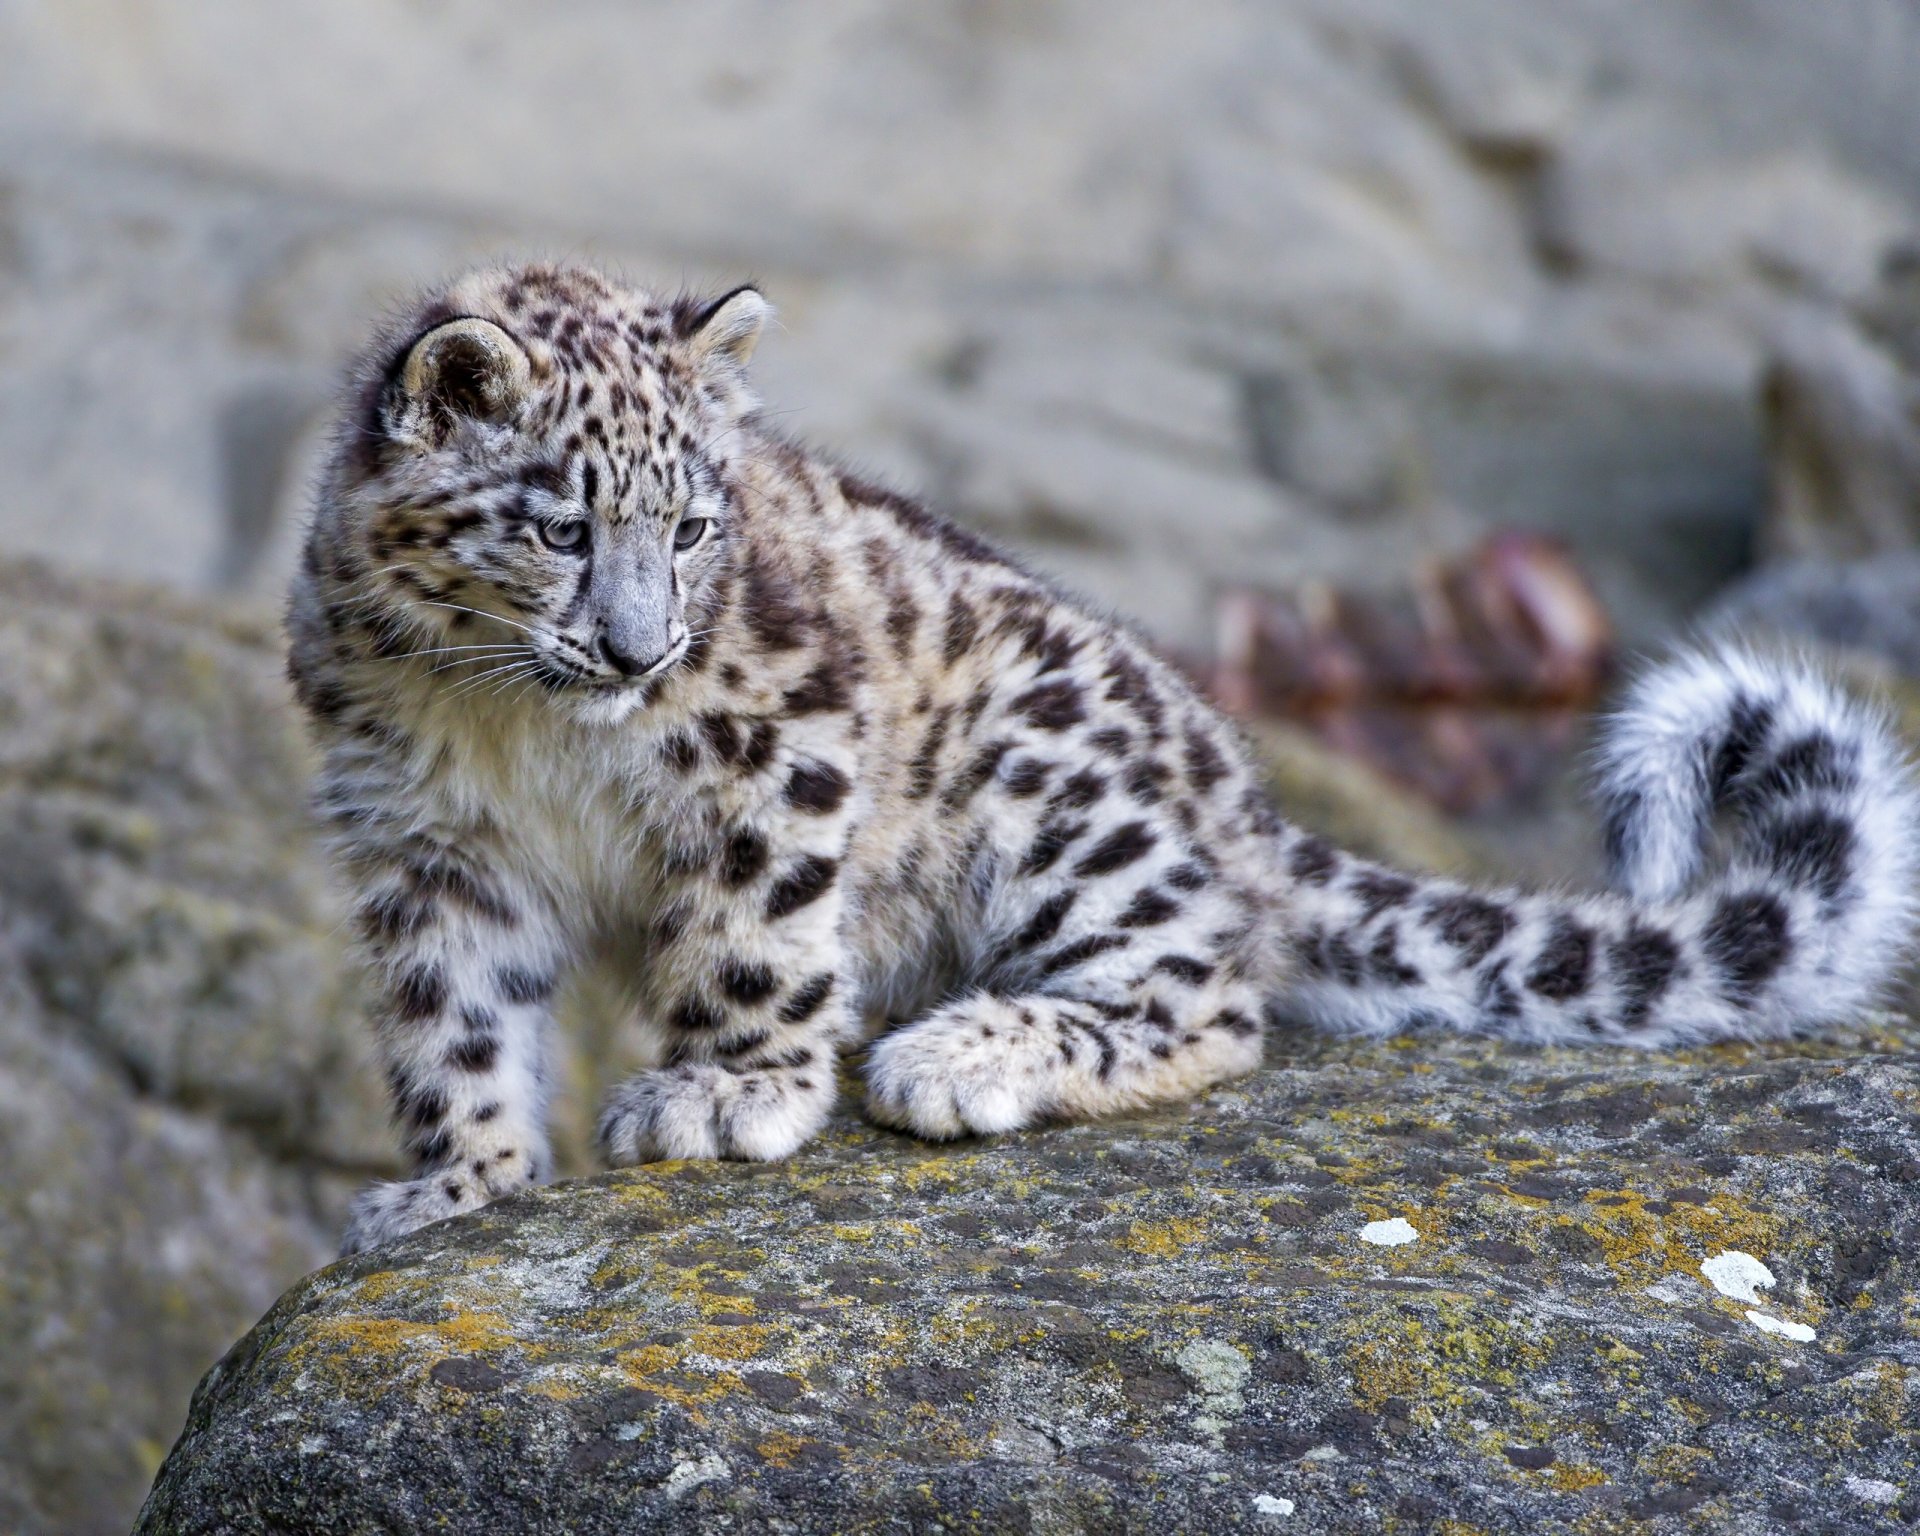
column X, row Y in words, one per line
column 748, row 980
column 466, row 966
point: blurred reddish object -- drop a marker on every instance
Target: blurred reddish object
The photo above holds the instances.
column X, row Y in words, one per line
column 1466, row 684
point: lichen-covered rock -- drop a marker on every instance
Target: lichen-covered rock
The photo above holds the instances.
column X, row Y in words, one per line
column 1429, row 1285
column 180, row 1109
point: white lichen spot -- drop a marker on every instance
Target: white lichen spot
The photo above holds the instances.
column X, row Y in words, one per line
column 1218, row 1372
column 1388, row 1234
column 1324, row 1453
column 1736, row 1274
column 689, row 1475
column 1800, row 1333
column 312, row 1445
column 1270, row 1504
column 1872, row 1490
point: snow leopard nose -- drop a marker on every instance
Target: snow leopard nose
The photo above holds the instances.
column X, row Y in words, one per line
column 623, row 662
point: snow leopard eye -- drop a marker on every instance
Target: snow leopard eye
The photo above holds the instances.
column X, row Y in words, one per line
column 567, row 538
column 690, row 532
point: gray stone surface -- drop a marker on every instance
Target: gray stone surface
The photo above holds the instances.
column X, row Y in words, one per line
column 1866, row 606
column 179, row 1110
column 1843, row 425
column 1163, row 297
column 1169, row 1323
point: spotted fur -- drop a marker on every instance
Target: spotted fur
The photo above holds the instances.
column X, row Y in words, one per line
column 600, row 665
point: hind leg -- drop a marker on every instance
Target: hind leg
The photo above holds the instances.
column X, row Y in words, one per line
column 985, row 1063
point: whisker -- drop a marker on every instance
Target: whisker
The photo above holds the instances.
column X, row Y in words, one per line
column 447, row 650
column 472, row 683
column 508, row 652
column 478, row 613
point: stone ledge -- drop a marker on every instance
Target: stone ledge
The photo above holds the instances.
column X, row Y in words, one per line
column 1167, row 1323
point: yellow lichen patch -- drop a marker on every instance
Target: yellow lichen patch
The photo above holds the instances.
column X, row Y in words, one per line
column 741, row 1341
column 639, row 1187
column 1572, row 1476
column 554, row 1388
column 1439, row 1362
column 649, row 1358
column 1166, row 1239
column 644, row 1368
column 1676, row 1463
column 356, row 1351
column 475, row 1332
column 1391, row 1367
column 1640, row 1245
column 385, row 1284
column 692, row 1287
column 780, row 1448
column 946, row 1169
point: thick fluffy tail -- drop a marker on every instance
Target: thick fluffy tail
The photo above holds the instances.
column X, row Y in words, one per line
column 1800, row 797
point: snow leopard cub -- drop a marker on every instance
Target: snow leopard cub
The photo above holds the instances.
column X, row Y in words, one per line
column 600, row 665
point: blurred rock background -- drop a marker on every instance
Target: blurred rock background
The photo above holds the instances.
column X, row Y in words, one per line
column 1242, row 291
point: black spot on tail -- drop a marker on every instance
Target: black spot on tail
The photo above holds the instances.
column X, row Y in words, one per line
column 696, row 1015
column 1495, row 996
column 1748, row 938
column 1806, row 764
column 743, row 857
column 518, row 985
column 1748, row 722
column 1645, row 961
column 1147, row 909
column 1026, row 776
column 476, row 1055
column 1078, row 792
column 1330, row 954
column 1564, row 967
column 1813, row 849
column 1385, row 964
column 1471, row 924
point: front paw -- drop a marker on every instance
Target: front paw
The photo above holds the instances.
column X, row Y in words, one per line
column 706, row 1111
column 382, row 1212
column 951, row 1075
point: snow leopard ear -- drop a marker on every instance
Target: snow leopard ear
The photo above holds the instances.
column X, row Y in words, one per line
column 726, row 329
column 465, row 369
